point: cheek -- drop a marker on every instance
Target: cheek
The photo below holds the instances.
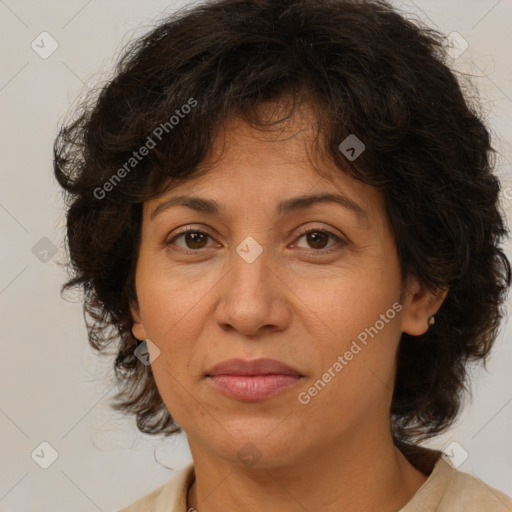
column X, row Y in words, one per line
column 173, row 371
column 356, row 379
column 172, row 312
column 169, row 297
column 342, row 307
column 360, row 322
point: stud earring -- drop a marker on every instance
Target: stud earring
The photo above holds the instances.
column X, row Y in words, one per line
column 431, row 320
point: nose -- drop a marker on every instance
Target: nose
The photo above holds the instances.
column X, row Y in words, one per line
column 253, row 297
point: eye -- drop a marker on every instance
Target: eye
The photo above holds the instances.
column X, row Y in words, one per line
column 318, row 238
column 193, row 238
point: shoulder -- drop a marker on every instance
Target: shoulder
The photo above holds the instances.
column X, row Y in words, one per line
column 468, row 493
column 170, row 497
column 450, row 490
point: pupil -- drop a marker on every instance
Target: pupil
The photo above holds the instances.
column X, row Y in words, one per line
column 315, row 243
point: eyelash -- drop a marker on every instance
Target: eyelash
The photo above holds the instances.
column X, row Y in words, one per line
column 339, row 240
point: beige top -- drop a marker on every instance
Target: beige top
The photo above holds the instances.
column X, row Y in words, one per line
column 445, row 490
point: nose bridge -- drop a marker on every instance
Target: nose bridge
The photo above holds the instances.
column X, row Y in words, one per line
column 250, row 267
column 249, row 298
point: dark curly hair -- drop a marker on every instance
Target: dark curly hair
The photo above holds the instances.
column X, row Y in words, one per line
column 369, row 71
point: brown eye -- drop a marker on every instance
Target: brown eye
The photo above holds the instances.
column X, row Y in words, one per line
column 318, row 239
column 194, row 239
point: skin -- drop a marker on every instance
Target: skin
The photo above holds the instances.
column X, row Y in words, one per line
column 297, row 303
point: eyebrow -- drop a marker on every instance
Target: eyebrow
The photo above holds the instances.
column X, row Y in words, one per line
column 293, row 204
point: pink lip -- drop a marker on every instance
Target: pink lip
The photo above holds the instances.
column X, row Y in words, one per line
column 253, row 380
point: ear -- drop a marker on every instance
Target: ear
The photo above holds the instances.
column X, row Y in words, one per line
column 419, row 305
column 138, row 328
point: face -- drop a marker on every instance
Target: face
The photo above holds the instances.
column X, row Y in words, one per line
column 314, row 285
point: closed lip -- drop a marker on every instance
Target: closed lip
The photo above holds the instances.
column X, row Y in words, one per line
column 243, row 367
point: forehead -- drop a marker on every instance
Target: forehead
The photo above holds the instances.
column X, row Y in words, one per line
column 249, row 166
column 282, row 137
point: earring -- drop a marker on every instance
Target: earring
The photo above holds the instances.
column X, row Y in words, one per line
column 431, row 320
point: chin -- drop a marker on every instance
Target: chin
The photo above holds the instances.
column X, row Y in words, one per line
column 260, row 446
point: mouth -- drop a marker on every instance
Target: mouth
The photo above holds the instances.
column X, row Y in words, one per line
column 252, row 381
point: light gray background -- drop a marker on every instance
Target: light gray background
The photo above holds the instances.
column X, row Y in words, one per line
column 54, row 387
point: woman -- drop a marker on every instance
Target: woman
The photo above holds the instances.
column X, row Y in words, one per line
column 286, row 214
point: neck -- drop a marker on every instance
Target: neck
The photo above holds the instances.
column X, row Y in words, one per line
column 355, row 476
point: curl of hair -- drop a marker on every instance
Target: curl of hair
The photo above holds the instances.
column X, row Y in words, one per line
column 369, row 71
